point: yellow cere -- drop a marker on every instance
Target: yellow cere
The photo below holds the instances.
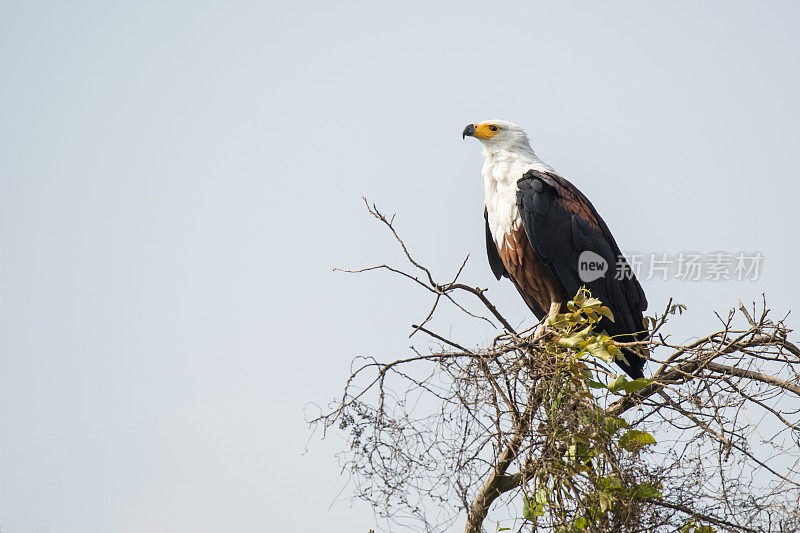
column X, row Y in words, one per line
column 486, row 130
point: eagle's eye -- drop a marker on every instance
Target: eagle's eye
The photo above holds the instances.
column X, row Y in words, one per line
column 493, row 127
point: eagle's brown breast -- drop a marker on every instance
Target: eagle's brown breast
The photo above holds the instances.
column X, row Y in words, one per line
column 530, row 275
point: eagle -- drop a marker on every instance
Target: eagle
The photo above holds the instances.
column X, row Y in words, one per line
column 546, row 237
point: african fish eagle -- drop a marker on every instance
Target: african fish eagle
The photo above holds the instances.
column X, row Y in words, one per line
column 543, row 234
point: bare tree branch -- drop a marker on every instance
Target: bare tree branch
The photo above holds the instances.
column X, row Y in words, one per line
column 544, row 428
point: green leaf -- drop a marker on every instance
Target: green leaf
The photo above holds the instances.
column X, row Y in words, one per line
column 614, row 350
column 574, row 341
column 618, row 383
column 531, row 511
column 597, row 349
column 614, row 424
column 592, row 303
column 595, row 384
column 534, row 506
column 580, row 296
column 606, row 312
column 705, row 529
column 622, row 383
column 636, row 384
column 621, row 357
column 527, row 508
column 580, row 523
column 645, row 491
column 610, row 483
column 634, row 440
column 605, row 501
column 572, row 453
column 562, row 321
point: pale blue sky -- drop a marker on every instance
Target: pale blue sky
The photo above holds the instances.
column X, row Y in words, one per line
column 178, row 179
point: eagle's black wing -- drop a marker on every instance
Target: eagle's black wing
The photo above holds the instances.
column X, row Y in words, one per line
column 561, row 224
column 491, row 250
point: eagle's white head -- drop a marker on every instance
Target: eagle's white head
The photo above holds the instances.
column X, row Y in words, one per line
column 507, row 156
column 498, row 135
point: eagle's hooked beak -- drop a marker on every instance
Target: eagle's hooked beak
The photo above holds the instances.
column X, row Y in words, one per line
column 469, row 130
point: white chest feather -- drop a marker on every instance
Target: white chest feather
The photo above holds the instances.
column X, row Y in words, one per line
column 501, row 171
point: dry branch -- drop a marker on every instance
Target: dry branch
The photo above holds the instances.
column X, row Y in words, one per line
column 436, row 436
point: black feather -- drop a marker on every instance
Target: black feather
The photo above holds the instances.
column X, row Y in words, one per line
column 559, row 233
column 494, row 256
